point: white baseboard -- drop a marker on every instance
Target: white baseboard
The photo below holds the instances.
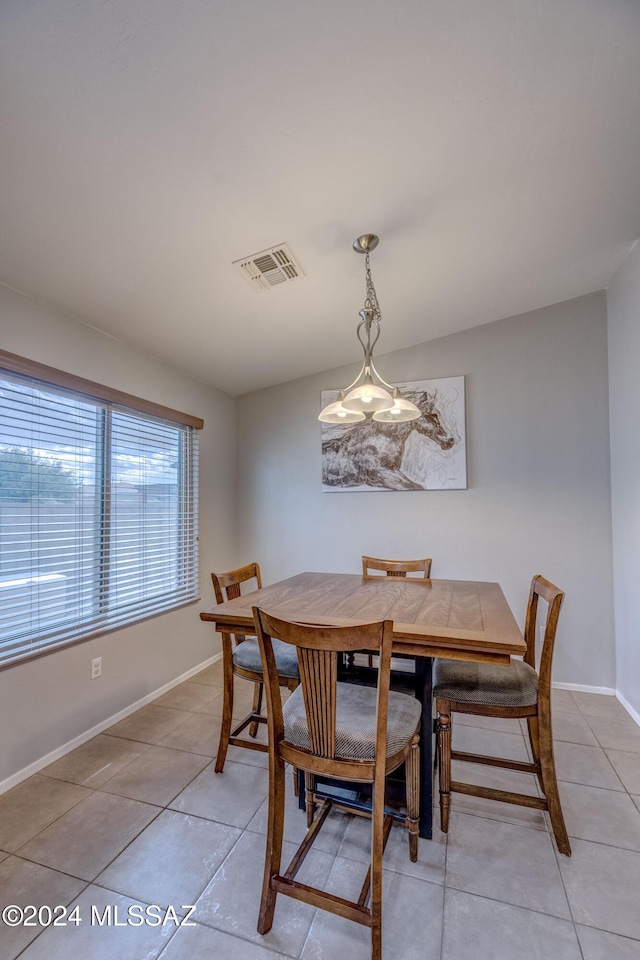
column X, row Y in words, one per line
column 630, row 710
column 585, row 688
column 38, row 765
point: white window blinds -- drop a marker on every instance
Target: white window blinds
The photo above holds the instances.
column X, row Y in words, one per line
column 98, row 515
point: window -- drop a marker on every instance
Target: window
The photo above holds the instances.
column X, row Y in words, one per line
column 98, row 509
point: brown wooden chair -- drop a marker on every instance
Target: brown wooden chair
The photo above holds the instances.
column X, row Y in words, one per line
column 516, row 690
column 343, row 731
column 395, row 568
column 241, row 657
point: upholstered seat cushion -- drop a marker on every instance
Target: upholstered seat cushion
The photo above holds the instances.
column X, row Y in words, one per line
column 247, row 656
column 356, row 721
column 515, row 685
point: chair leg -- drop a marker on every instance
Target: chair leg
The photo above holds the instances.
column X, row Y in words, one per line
column 550, row 784
column 227, row 701
column 412, row 764
column 444, row 756
column 273, row 852
column 534, row 740
column 309, row 788
column 377, row 847
column 376, row 936
column 257, row 707
column 435, row 748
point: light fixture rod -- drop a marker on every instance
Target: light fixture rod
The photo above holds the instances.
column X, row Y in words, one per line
column 368, row 369
column 369, row 394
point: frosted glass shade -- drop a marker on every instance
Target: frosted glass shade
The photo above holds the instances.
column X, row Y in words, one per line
column 368, row 398
column 337, row 413
column 401, row 410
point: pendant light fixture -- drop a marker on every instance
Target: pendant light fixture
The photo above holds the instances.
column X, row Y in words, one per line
column 369, row 395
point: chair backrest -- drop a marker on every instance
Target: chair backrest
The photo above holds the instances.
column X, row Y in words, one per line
column 230, row 582
column 553, row 597
column 318, row 648
column 396, row 568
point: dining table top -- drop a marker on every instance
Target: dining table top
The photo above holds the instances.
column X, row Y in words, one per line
column 457, row 619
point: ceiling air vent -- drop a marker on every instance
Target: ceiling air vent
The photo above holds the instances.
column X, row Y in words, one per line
column 270, row 268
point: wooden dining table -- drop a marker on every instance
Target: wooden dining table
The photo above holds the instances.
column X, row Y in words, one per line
column 455, row 619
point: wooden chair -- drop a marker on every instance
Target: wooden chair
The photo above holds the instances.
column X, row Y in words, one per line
column 343, row 731
column 241, row 657
column 512, row 691
column 395, row 568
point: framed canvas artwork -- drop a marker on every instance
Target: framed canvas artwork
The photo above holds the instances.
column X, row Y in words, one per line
column 424, row 454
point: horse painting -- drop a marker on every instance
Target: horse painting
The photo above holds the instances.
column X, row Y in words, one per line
column 376, row 455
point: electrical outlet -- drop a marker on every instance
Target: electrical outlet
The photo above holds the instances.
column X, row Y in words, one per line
column 541, row 630
column 96, row 668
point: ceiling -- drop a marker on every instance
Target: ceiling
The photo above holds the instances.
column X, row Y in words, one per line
column 146, row 144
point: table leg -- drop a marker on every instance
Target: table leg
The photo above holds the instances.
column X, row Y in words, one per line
column 423, row 691
column 424, row 695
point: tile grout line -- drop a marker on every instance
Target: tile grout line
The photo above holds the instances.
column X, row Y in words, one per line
column 102, row 869
column 210, row 926
column 127, row 764
column 164, row 806
column 596, row 786
column 91, row 790
column 207, row 882
column 245, row 830
column 602, row 746
column 444, row 894
column 564, row 887
column 39, row 934
column 517, row 906
column 548, row 821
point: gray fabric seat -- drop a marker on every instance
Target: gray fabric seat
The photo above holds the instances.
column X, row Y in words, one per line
column 356, row 721
column 515, row 685
column 247, row 656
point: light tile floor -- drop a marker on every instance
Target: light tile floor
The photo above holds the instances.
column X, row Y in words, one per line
column 137, row 816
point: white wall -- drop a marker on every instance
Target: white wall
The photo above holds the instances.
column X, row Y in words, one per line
column 623, row 304
column 47, row 702
column 538, row 498
column 538, row 462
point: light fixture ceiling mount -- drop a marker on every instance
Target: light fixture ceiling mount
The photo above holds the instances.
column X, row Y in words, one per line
column 369, row 394
column 366, row 243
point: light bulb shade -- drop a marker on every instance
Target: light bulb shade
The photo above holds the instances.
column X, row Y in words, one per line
column 368, row 398
column 337, row 413
column 401, row 410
